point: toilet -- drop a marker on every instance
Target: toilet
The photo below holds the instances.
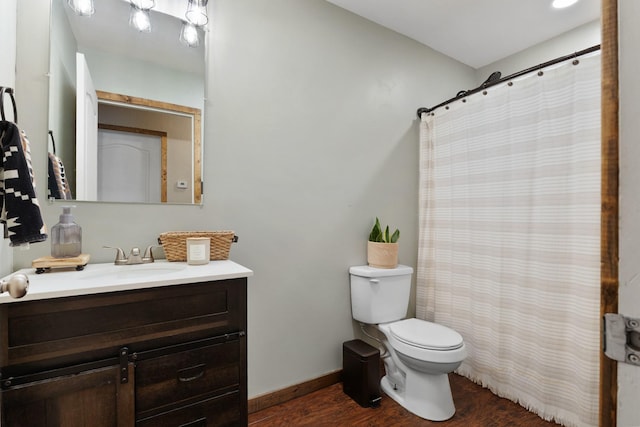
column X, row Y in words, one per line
column 420, row 354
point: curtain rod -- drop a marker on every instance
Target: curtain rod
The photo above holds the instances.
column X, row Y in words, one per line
column 491, row 81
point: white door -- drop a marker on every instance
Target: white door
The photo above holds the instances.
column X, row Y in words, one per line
column 129, row 167
column 86, row 133
column 629, row 231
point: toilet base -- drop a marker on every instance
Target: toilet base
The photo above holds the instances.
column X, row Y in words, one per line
column 429, row 396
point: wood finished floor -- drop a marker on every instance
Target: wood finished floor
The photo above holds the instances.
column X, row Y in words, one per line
column 475, row 407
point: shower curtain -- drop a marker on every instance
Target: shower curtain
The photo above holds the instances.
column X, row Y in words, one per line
column 509, row 245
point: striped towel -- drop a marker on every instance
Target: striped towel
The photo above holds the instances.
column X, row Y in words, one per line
column 20, row 210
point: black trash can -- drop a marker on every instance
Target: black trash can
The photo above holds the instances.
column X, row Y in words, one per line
column 361, row 372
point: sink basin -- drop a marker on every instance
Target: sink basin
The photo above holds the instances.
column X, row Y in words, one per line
column 124, row 272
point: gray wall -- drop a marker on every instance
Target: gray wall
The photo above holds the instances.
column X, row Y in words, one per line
column 629, row 238
column 8, row 36
column 310, row 133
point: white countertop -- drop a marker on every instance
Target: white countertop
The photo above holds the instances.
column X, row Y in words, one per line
column 107, row 277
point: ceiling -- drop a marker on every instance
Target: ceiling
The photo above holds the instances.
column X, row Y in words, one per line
column 475, row 32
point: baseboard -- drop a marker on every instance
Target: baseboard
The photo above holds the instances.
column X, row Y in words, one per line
column 279, row 396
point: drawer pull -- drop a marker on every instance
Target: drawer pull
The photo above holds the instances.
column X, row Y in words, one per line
column 192, row 373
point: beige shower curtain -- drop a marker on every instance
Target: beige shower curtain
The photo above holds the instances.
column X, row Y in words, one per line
column 510, row 236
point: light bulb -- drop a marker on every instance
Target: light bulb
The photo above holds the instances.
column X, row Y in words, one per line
column 139, row 20
column 81, row 7
column 189, row 35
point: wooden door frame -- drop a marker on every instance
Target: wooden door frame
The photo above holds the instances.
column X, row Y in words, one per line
column 609, row 190
column 180, row 109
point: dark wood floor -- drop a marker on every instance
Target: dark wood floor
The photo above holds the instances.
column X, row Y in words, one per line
column 475, row 407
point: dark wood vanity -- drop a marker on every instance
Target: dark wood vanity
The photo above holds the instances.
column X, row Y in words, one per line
column 161, row 356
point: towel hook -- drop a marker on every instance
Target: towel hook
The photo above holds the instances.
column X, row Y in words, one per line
column 10, row 92
column 53, row 141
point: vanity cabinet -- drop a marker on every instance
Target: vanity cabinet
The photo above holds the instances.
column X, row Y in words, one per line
column 163, row 356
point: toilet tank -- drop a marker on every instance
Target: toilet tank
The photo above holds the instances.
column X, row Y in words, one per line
column 380, row 295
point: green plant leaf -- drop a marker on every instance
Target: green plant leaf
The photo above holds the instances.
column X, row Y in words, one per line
column 376, row 232
column 380, row 236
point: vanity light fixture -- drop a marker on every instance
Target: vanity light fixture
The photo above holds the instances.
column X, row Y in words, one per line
column 189, row 35
column 143, row 4
column 81, row 7
column 139, row 19
column 197, row 12
column 561, row 4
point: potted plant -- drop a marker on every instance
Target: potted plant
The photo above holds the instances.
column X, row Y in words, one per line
column 382, row 247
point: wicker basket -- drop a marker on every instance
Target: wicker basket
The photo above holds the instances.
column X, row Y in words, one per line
column 174, row 243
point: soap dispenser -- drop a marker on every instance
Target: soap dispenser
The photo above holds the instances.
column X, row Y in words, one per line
column 66, row 236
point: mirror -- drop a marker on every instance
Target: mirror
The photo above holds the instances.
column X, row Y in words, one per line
column 135, row 132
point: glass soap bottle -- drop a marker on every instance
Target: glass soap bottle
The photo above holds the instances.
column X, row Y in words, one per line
column 66, row 236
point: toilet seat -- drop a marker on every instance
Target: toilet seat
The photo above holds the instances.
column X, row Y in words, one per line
column 425, row 335
column 441, row 355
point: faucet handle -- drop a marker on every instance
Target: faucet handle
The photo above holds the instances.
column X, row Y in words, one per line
column 120, row 259
column 148, row 254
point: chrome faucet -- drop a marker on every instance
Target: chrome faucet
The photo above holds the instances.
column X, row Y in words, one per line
column 134, row 256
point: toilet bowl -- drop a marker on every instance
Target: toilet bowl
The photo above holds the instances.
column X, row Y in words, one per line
column 420, row 353
column 423, row 384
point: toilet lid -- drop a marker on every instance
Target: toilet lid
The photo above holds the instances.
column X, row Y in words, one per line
column 427, row 335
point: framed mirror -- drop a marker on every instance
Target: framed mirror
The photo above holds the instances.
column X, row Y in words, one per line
column 125, row 106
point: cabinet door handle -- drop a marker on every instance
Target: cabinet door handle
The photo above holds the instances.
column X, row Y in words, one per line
column 192, row 373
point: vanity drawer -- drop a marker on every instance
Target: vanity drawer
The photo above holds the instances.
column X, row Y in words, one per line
column 185, row 376
column 39, row 335
column 216, row 411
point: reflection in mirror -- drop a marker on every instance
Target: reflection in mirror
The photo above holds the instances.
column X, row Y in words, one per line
column 123, row 122
column 139, row 111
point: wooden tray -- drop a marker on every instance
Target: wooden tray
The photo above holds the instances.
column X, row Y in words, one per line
column 46, row 263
